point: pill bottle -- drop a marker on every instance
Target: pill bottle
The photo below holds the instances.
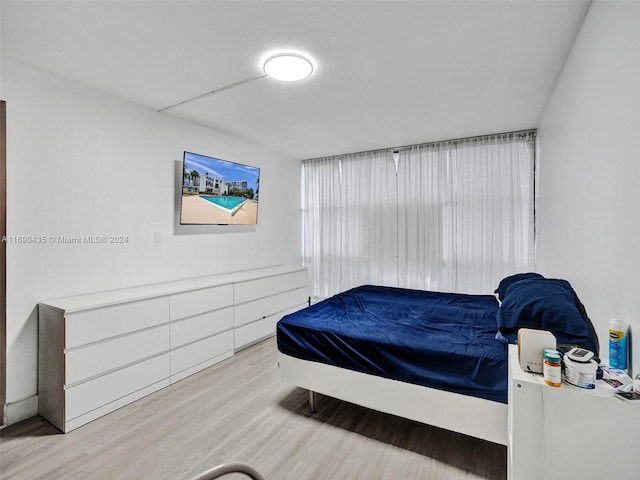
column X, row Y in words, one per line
column 552, row 370
column 618, row 344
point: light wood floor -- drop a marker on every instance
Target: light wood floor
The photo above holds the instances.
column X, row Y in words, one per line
column 239, row 410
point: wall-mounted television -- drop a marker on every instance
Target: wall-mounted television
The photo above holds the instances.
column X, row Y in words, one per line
column 218, row 192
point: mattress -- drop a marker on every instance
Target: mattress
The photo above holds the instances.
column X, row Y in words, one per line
column 439, row 340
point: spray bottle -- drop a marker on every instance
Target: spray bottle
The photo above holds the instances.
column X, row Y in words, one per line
column 618, row 347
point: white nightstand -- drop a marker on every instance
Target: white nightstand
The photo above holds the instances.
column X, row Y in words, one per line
column 568, row 431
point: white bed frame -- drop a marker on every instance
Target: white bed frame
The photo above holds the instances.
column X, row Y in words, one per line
column 472, row 416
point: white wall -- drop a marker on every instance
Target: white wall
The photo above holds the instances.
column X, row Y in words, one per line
column 589, row 208
column 82, row 163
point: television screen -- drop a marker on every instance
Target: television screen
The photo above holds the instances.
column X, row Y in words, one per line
column 218, row 192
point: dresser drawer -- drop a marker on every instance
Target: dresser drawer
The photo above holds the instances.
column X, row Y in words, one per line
column 260, row 329
column 98, row 358
column 200, row 301
column 251, row 311
column 194, row 328
column 101, row 323
column 264, row 287
column 248, row 334
column 100, row 391
column 194, row 353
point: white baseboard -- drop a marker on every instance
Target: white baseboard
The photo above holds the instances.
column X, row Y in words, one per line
column 19, row 410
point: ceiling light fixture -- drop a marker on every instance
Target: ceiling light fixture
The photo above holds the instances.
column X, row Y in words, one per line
column 288, row 67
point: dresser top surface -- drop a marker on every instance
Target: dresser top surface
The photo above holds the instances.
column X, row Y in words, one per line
column 102, row 299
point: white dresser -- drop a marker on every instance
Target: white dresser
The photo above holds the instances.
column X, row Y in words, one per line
column 101, row 351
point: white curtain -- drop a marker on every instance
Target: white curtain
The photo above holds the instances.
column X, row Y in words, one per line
column 322, row 224
column 426, row 218
column 495, row 206
column 453, row 216
column 349, row 221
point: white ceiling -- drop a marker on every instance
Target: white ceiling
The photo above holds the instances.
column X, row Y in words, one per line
column 388, row 73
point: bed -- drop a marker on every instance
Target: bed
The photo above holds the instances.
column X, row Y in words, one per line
column 437, row 358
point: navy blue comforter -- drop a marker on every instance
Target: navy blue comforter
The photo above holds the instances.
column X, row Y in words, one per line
column 439, row 340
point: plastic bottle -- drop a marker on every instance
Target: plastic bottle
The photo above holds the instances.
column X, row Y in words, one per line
column 618, row 347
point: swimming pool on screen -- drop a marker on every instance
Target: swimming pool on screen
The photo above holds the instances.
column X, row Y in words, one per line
column 229, row 204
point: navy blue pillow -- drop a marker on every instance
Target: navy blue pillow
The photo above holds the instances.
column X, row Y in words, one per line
column 546, row 304
column 508, row 281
